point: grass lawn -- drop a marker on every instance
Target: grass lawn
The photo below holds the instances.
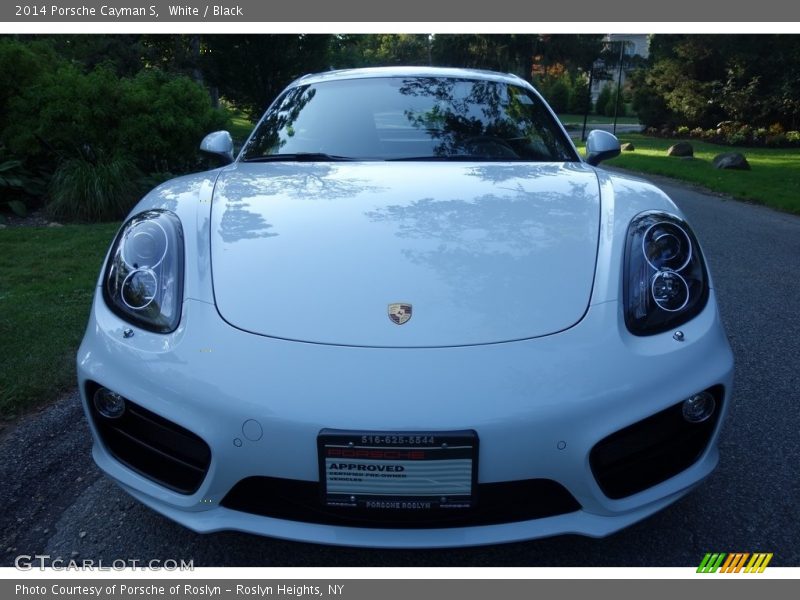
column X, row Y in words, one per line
column 240, row 128
column 774, row 179
column 47, row 277
column 578, row 119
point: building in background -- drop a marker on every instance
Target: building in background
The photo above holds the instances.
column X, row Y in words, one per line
column 636, row 48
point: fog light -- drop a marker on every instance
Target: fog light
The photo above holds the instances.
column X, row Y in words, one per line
column 699, row 407
column 109, row 404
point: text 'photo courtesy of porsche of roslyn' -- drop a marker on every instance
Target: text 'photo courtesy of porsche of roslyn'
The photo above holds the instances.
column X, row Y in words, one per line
column 406, row 313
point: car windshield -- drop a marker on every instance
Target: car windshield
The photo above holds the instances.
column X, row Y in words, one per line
column 409, row 118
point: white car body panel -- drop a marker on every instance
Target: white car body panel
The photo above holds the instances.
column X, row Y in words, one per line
column 574, row 375
column 518, row 411
column 484, row 252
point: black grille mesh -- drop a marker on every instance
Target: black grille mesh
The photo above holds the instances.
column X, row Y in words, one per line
column 153, row 446
column 652, row 450
column 496, row 503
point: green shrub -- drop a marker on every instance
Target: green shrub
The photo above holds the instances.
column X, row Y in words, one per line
column 93, row 190
column 166, row 117
column 19, row 187
column 68, row 117
column 735, row 134
column 602, row 100
column 776, row 129
column 65, row 111
column 156, row 119
column 611, row 106
column 557, row 95
column 647, row 103
column 793, row 137
column 776, row 141
column 566, row 93
column 21, row 65
column 736, row 138
column 580, row 100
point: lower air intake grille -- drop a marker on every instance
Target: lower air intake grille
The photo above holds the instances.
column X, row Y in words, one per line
column 652, row 450
column 497, row 503
column 153, row 446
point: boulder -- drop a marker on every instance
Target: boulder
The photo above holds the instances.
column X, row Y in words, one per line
column 681, row 149
column 731, row 160
column 627, row 147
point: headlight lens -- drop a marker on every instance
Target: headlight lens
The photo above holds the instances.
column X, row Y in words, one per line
column 666, row 283
column 143, row 281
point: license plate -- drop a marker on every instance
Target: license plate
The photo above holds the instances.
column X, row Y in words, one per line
column 398, row 470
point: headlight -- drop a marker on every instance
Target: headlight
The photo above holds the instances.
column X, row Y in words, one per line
column 143, row 281
column 665, row 278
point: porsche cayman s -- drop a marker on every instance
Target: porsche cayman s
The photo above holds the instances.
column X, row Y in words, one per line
column 406, row 314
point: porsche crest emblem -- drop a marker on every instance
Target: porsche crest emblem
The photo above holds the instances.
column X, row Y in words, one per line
column 399, row 313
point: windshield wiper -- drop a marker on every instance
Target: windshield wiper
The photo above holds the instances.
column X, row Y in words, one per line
column 299, row 157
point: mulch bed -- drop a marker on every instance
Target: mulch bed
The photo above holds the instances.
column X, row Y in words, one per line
column 34, row 219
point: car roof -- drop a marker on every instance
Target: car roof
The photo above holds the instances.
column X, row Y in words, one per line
column 371, row 72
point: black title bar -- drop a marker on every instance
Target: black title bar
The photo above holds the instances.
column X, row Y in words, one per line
column 412, row 11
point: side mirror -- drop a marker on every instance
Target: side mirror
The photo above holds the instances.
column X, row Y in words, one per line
column 219, row 144
column 600, row 146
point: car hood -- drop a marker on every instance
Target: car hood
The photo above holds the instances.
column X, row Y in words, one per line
column 482, row 253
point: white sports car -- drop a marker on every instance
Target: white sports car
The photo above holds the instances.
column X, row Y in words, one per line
column 408, row 314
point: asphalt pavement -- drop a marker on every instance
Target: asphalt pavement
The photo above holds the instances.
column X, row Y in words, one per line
column 56, row 502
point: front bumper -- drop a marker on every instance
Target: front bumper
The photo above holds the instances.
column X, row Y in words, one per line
column 539, row 406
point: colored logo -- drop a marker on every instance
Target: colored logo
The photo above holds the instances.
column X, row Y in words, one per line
column 735, row 562
column 399, row 312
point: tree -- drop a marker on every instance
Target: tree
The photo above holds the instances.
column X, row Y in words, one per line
column 557, row 93
column 612, row 106
column 648, row 104
column 570, row 52
column 526, row 55
column 250, row 70
column 349, row 51
column 509, row 53
column 180, row 54
column 124, row 54
column 700, row 80
column 21, row 65
column 580, row 99
column 603, row 98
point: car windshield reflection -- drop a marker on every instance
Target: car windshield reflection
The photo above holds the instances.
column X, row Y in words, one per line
column 409, row 118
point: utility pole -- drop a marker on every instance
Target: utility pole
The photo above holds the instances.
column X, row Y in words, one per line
column 619, row 83
column 589, row 103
